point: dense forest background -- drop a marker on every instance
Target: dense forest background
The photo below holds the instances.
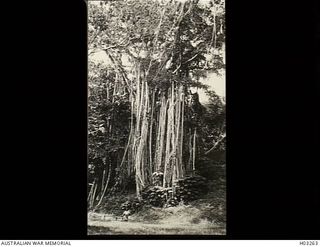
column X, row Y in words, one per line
column 147, row 130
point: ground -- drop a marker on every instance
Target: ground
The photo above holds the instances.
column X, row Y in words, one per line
column 205, row 216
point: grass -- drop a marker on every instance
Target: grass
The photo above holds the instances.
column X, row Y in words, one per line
column 139, row 228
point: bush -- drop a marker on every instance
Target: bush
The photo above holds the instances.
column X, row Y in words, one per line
column 134, row 205
column 191, row 188
column 185, row 190
column 156, row 196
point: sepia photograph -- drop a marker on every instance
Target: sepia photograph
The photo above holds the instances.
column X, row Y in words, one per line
column 156, row 117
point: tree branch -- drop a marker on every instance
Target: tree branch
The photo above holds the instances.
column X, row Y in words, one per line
column 189, row 60
column 120, row 69
column 217, row 143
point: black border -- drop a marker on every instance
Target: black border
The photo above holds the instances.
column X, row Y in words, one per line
column 273, row 130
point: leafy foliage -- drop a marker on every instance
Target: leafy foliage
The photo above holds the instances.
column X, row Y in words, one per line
column 108, row 119
column 167, row 43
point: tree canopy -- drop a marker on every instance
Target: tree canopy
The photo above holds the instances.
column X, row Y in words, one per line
column 143, row 118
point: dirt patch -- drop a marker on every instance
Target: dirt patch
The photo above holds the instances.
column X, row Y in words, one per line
column 138, row 228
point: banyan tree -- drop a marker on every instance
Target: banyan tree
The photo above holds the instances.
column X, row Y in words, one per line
column 155, row 52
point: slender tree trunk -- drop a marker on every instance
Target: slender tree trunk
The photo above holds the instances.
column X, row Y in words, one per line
column 150, row 133
column 194, row 150
column 106, row 186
